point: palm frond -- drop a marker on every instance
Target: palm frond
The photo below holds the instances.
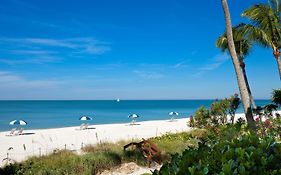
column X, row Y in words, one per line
column 257, row 13
column 256, row 34
column 266, row 23
column 241, row 42
column 222, row 43
column 276, row 6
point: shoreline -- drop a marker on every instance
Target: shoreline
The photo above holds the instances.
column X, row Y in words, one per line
column 38, row 142
column 91, row 124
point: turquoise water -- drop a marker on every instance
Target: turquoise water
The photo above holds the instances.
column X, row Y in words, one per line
column 54, row 114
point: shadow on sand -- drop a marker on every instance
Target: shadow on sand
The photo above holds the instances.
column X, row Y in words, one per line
column 132, row 124
column 27, row 133
column 89, row 128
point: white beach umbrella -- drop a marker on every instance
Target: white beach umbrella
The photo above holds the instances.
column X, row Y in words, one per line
column 84, row 118
column 18, row 122
column 173, row 114
column 133, row 117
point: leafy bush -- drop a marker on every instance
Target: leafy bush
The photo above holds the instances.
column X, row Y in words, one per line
column 276, row 96
column 201, row 117
column 246, row 154
column 217, row 115
column 177, row 143
column 233, row 106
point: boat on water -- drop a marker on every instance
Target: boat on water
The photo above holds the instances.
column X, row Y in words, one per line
column 118, row 100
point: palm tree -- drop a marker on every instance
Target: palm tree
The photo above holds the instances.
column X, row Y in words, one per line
column 242, row 46
column 265, row 27
column 241, row 83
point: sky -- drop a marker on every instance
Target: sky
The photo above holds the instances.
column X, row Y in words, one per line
column 127, row 49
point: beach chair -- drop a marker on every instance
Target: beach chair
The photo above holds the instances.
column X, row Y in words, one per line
column 20, row 132
column 81, row 127
column 133, row 122
column 172, row 119
column 86, row 126
column 12, row 132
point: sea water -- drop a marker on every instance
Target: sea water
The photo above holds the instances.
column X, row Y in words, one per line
column 55, row 114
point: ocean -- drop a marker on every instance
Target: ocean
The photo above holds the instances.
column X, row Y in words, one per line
column 54, row 114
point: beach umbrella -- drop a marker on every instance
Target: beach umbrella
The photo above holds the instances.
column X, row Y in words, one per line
column 84, row 118
column 133, row 117
column 18, row 122
column 173, row 114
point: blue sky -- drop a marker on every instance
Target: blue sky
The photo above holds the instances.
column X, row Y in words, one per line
column 140, row 49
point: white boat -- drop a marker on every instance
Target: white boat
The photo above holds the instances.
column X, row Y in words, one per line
column 118, row 100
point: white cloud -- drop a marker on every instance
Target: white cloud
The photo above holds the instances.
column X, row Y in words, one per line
column 9, row 80
column 32, row 52
column 88, row 45
column 35, row 50
column 182, row 64
column 148, row 75
column 216, row 62
column 37, row 60
column 211, row 66
column 48, row 42
column 97, row 50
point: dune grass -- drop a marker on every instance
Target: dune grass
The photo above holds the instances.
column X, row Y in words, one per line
column 96, row 158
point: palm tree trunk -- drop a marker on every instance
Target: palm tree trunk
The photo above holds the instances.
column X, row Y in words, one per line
column 241, row 82
column 276, row 53
column 279, row 65
column 242, row 65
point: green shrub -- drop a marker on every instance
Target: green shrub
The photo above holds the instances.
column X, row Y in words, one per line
column 201, row 118
column 217, row 115
column 234, row 101
column 247, row 154
column 176, row 143
column 276, row 96
column 65, row 162
column 219, row 111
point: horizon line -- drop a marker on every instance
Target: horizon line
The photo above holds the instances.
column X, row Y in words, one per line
column 116, row 99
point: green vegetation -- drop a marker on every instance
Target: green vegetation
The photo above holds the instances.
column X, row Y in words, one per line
column 246, row 154
column 65, row 162
column 276, row 97
column 264, row 27
column 205, row 118
column 230, row 148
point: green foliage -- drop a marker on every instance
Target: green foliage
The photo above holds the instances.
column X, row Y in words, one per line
column 117, row 148
column 201, row 117
column 234, row 101
column 241, row 42
column 219, row 111
column 276, row 97
column 177, row 143
column 217, row 115
column 265, row 20
column 65, row 162
column 245, row 154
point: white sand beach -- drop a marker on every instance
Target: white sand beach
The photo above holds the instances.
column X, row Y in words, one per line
column 45, row 141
